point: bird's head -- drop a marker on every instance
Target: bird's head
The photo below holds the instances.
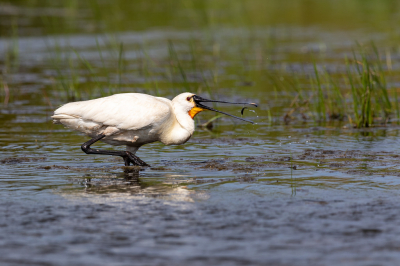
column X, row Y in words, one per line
column 192, row 104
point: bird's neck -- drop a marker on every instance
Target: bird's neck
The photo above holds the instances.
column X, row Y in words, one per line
column 185, row 121
column 181, row 130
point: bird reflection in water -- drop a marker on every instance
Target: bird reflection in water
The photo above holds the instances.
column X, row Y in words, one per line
column 128, row 184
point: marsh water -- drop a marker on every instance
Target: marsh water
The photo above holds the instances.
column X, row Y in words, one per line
column 275, row 192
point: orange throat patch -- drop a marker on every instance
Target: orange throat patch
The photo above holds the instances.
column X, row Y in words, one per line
column 195, row 111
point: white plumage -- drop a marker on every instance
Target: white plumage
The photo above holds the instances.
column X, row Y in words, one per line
column 132, row 119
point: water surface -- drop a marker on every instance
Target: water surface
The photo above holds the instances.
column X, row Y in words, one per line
column 301, row 193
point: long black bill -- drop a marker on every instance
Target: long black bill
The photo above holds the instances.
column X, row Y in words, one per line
column 198, row 100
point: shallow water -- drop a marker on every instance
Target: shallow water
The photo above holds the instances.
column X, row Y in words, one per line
column 238, row 194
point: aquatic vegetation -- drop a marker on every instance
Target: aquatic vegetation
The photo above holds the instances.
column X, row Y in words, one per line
column 361, row 94
column 208, row 60
column 6, row 93
column 78, row 78
column 9, row 64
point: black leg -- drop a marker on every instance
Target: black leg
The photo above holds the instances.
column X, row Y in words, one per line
column 126, row 155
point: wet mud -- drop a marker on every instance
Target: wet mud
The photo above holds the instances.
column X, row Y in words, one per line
column 18, row 160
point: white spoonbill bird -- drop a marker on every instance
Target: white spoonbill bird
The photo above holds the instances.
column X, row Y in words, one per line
column 134, row 119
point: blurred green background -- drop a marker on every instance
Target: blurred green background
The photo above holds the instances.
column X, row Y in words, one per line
column 41, row 17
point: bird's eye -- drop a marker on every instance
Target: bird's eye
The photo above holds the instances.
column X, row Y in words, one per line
column 188, row 99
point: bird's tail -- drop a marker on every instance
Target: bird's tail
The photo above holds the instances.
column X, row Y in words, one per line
column 58, row 117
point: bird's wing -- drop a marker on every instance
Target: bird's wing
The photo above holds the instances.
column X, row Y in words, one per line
column 126, row 111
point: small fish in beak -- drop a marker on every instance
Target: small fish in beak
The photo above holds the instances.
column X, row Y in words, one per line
column 199, row 100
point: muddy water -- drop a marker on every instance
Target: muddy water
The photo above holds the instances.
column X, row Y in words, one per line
column 239, row 194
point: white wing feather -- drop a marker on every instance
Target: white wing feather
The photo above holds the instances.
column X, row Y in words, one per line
column 125, row 111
